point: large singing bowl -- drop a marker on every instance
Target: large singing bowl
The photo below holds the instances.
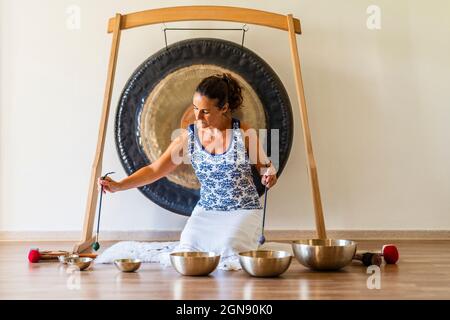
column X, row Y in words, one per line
column 157, row 100
column 324, row 254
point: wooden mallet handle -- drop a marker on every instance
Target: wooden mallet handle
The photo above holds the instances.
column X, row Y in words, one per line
column 53, row 255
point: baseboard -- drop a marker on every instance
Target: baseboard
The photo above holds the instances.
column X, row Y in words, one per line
column 271, row 235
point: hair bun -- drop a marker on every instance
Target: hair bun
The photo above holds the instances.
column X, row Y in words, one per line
column 223, row 87
column 226, row 78
column 235, row 98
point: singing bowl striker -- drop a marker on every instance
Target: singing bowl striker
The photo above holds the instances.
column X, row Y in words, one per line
column 265, row 263
column 324, row 254
column 156, row 105
column 194, row 263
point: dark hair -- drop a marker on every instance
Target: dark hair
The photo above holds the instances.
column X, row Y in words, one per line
column 222, row 87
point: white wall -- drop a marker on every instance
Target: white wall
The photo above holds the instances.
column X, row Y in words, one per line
column 378, row 103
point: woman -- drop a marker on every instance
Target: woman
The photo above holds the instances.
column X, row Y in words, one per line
column 227, row 218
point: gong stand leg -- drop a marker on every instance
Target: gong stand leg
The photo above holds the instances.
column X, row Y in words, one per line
column 314, row 180
column 91, row 204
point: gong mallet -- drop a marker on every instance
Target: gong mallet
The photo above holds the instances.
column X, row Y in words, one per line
column 262, row 239
column 96, row 244
column 389, row 253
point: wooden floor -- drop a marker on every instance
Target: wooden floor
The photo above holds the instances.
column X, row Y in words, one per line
column 423, row 272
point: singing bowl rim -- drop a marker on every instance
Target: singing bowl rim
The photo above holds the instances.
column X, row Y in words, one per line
column 248, row 254
column 265, row 266
column 317, row 242
column 81, row 262
column 195, row 254
column 304, row 248
column 80, row 259
column 128, row 260
column 64, row 257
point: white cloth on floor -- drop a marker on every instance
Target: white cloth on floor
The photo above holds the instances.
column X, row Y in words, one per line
column 224, row 232
column 144, row 251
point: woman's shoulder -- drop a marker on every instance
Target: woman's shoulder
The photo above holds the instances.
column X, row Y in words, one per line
column 182, row 136
column 189, row 129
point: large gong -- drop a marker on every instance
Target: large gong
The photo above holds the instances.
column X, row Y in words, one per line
column 157, row 100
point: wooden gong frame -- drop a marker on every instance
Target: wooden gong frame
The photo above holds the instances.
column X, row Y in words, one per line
column 191, row 13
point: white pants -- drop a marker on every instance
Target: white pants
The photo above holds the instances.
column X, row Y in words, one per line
column 224, row 232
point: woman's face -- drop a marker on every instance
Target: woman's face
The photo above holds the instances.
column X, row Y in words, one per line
column 207, row 113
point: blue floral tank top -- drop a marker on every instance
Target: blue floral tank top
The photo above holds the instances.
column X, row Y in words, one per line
column 226, row 178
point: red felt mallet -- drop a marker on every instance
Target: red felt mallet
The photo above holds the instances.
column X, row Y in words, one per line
column 390, row 253
column 35, row 256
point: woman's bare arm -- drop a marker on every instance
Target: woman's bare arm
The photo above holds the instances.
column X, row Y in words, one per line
column 258, row 156
column 164, row 165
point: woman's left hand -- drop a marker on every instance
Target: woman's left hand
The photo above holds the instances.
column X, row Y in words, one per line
column 269, row 176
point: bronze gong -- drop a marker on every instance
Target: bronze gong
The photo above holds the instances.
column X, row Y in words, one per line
column 157, row 100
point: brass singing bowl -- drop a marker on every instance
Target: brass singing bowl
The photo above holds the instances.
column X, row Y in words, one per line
column 194, row 263
column 324, row 254
column 265, row 263
column 81, row 263
column 127, row 265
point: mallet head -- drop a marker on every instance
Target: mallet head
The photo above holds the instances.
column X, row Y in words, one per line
column 390, row 254
column 262, row 239
column 96, row 246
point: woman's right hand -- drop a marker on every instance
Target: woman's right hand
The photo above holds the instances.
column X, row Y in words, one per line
column 108, row 185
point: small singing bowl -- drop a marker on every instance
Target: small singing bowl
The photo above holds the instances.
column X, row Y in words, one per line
column 127, row 265
column 63, row 258
column 324, row 254
column 81, row 263
column 194, row 263
column 265, row 263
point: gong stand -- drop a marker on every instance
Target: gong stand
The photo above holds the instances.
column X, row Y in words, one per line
column 190, row 13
